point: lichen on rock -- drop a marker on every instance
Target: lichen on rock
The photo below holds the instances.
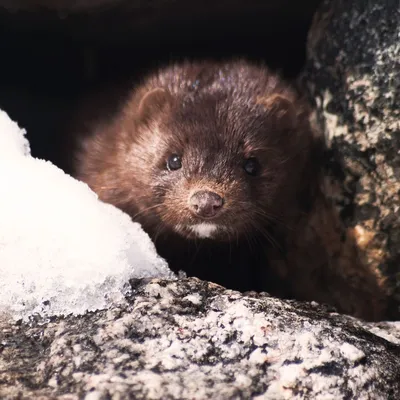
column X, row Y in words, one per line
column 353, row 74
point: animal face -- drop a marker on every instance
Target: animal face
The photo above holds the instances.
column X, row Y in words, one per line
column 216, row 167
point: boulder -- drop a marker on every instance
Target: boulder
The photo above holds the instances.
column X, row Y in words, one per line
column 190, row 339
column 353, row 77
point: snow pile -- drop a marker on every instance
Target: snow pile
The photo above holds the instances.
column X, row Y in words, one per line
column 62, row 250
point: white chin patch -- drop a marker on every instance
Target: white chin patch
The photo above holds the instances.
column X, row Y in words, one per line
column 203, row 230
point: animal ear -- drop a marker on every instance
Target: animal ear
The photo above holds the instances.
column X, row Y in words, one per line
column 280, row 107
column 152, row 103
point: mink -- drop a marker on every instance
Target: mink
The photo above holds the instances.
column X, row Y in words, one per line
column 220, row 164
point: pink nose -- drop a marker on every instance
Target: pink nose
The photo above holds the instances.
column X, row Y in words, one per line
column 206, row 204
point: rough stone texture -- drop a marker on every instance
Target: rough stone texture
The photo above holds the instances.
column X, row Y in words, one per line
column 194, row 340
column 354, row 77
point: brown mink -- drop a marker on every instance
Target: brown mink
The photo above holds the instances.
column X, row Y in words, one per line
column 219, row 163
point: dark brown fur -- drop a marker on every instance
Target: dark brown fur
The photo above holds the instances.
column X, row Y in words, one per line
column 216, row 116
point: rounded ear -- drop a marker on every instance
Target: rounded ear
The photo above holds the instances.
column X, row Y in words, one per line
column 153, row 103
column 280, row 107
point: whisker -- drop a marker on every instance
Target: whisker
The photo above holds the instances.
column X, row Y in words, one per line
column 267, row 235
column 246, row 235
column 159, row 229
column 147, row 209
column 230, row 245
column 272, row 218
column 198, row 245
column 269, row 217
column 237, row 237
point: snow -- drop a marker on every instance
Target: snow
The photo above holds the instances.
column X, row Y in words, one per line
column 62, row 250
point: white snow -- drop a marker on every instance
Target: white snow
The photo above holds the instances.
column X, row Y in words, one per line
column 62, row 250
column 12, row 138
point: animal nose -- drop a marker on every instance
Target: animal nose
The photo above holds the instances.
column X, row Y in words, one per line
column 206, row 204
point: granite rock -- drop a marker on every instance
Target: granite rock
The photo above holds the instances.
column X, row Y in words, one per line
column 190, row 339
column 353, row 75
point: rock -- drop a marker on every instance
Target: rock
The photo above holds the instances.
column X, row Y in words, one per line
column 353, row 74
column 195, row 340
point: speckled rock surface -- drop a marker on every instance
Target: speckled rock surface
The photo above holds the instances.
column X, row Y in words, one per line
column 354, row 77
column 194, row 340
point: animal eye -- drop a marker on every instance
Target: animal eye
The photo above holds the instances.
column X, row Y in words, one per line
column 251, row 166
column 174, row 162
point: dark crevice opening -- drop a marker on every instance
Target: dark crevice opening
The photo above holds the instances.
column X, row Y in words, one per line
column 49, row 60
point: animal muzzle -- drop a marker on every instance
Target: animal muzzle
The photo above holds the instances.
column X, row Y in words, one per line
column 205, row 204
